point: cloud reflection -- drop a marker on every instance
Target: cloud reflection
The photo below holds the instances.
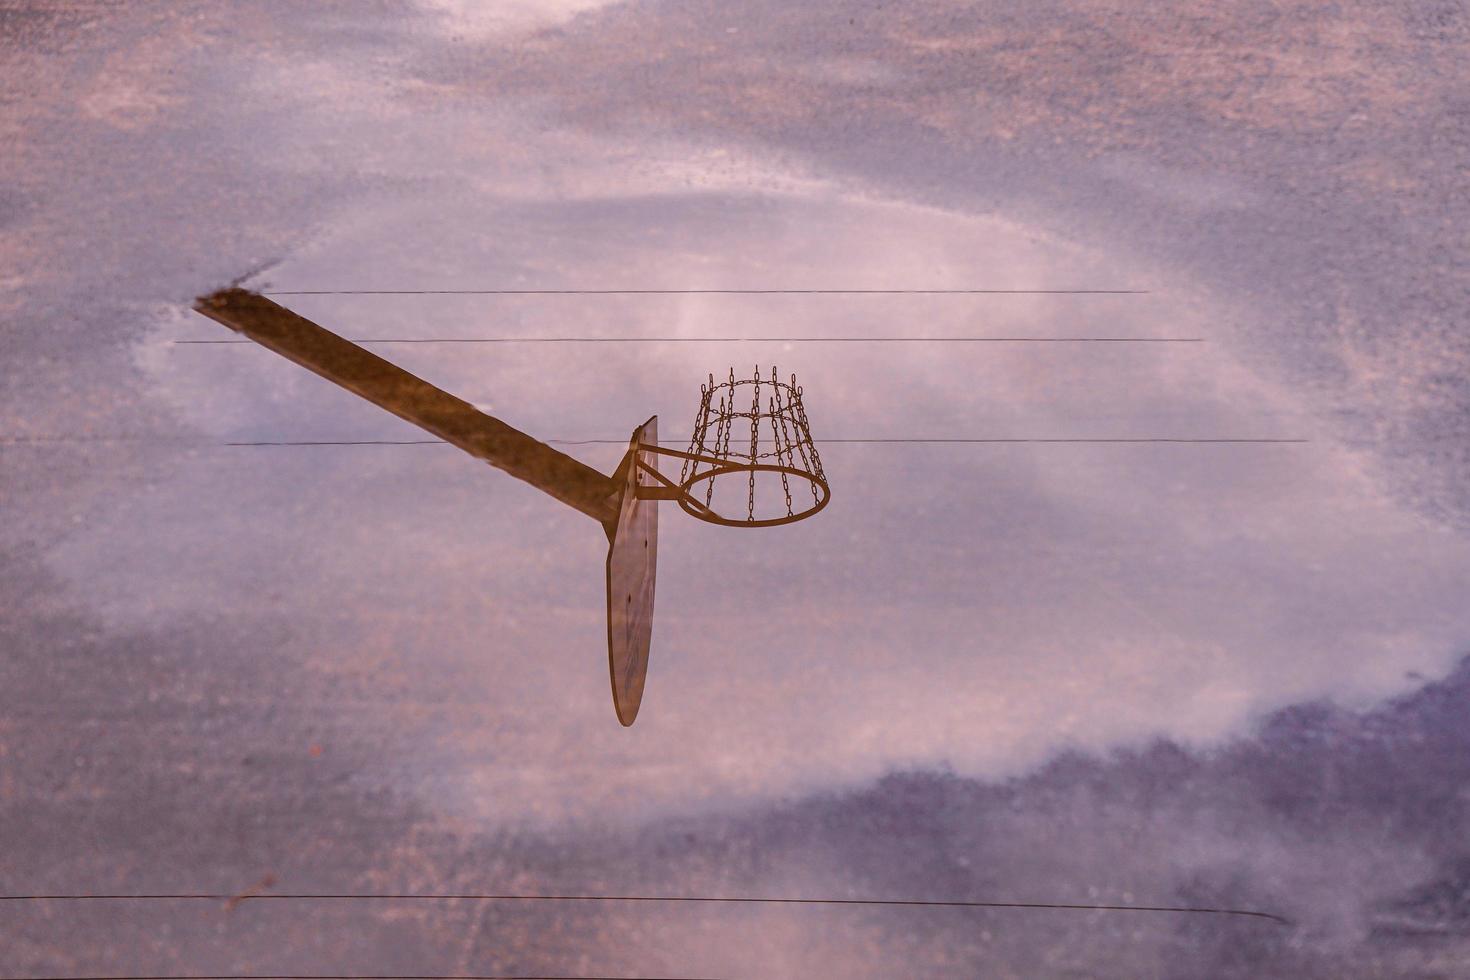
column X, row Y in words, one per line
column 189, row 622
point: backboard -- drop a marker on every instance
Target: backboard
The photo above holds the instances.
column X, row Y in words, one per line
column 631, row 563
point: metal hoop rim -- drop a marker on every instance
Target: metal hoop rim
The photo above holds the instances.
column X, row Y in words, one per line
column 709, row 516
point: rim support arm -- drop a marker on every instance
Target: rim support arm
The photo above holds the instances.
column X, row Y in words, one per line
column 411, row 398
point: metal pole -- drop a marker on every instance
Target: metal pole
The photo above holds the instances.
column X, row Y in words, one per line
column 389, row 386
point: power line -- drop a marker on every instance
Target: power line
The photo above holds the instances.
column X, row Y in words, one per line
column 649, row 899
column 747, row 340
column 359, row 976
column 45, row 440
column 703, row 292
column 677, row 442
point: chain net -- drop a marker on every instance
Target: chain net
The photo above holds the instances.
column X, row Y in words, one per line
column 749, row 428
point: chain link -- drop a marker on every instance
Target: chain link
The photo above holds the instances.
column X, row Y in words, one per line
column 781, row 438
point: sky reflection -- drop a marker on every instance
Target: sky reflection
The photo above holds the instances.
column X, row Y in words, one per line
column 1210, row 674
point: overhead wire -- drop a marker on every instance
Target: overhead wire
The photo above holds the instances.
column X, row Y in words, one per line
column 701, row 292
column 1148, row 440
column 745, row 340
column 676, row 442
column 358, row 976
column 236, row 900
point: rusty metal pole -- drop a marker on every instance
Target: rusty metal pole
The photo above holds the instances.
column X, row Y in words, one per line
column 415, row 400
